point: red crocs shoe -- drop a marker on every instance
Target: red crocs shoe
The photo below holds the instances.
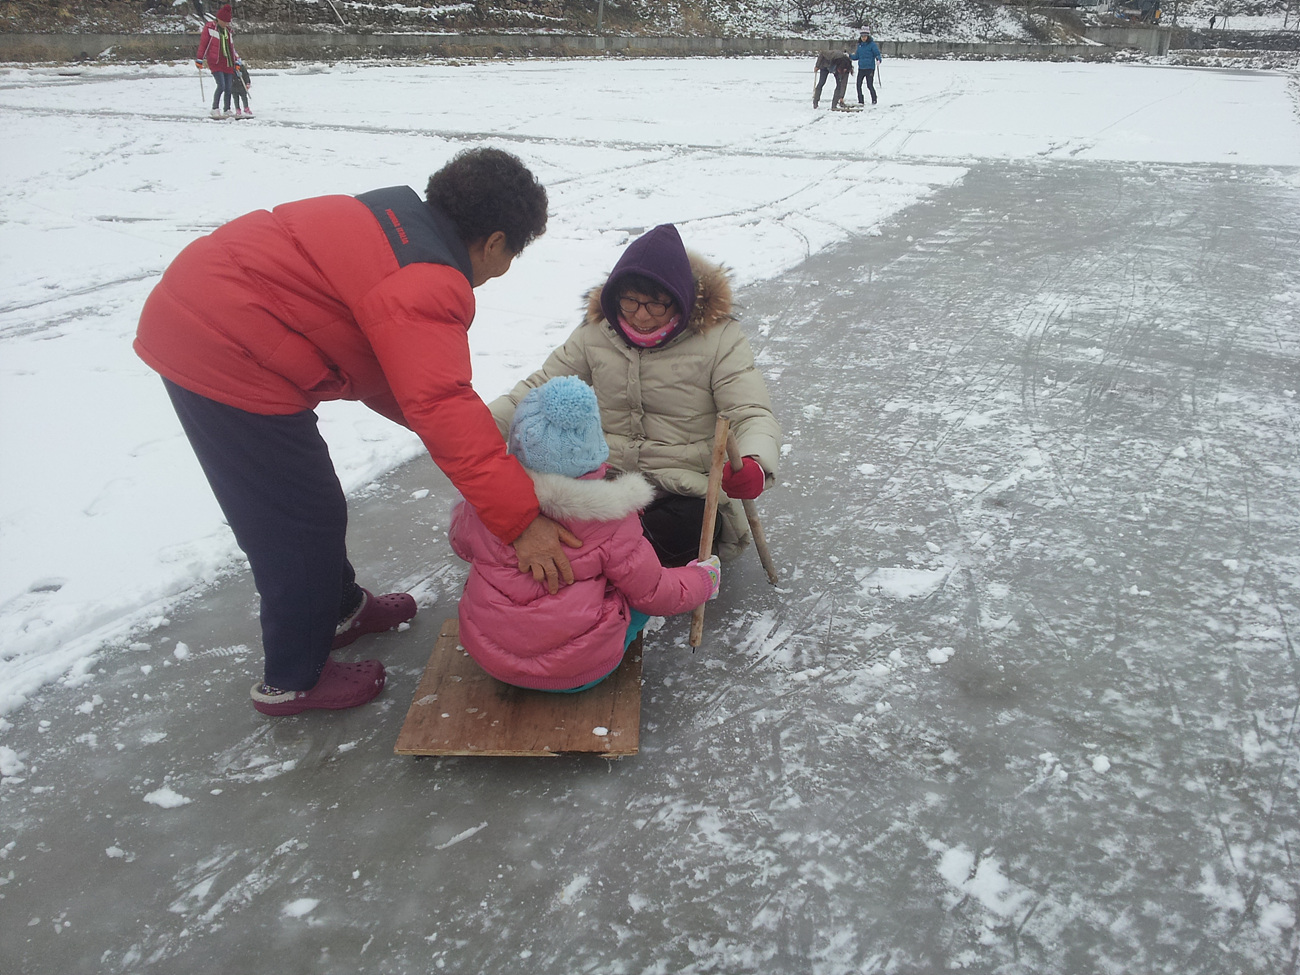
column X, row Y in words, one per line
column 340, row 686
column 374, row 615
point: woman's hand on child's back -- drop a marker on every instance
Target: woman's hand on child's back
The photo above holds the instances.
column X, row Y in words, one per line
column 539, row 551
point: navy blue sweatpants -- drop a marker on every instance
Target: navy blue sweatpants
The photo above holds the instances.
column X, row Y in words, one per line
column 275, row 482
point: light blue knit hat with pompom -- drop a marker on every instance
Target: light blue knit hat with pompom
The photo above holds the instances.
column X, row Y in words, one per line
column 556, row 429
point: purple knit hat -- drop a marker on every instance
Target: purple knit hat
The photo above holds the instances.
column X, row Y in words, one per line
column 660, row 255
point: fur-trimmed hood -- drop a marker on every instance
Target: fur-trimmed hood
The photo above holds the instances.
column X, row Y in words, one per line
column 591, row 499
column 712, row 304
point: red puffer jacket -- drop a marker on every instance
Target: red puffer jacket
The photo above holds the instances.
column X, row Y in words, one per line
column 220, row 57
column 318, row 300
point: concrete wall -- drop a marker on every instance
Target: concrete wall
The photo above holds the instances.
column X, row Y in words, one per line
column 330, row 46
column 1149, row 40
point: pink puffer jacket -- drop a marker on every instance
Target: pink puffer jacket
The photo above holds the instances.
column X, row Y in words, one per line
column 521, row 634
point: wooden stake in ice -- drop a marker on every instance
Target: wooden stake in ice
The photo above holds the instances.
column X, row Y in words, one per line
column 751, row 512
column 720, row 434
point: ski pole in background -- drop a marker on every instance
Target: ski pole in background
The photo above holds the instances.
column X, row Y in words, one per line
column 198, row 13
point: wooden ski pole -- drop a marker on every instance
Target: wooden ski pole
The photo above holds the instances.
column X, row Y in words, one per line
column 202, row 20
column 720, row 433
column 751, row 513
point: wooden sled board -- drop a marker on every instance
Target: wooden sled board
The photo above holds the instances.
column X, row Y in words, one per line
column 459, row 710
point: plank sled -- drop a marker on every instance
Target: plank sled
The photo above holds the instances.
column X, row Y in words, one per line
column 459, row 710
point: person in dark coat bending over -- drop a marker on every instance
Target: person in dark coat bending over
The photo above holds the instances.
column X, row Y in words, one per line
column 363, row 298
column 842, row 66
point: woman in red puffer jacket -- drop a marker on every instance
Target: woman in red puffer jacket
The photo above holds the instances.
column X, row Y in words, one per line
column 217, row 52
column 365, row 298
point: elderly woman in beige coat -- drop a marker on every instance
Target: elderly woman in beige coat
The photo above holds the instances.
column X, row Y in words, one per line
column 661, row 348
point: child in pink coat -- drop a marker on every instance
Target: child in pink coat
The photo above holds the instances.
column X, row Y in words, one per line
column 516, row 630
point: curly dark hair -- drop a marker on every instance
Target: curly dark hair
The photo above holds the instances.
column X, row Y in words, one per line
column 486, row 190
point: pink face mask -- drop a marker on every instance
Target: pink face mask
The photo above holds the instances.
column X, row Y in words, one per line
column 648, row 340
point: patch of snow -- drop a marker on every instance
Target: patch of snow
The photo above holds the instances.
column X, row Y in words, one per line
column 897, row 582
column 300, row 907
column 167, row 798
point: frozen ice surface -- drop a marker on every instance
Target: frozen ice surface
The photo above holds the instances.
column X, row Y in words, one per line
column 1055, row 398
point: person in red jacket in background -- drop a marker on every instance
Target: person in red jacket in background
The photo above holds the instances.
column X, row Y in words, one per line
column 217, row 52
column 363, row 298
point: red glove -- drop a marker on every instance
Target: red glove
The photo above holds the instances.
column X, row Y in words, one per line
column 746, row 483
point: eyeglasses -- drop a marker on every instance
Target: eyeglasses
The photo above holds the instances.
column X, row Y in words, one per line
column 657, row 309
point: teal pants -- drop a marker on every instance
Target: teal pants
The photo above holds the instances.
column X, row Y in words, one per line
column 639, row 620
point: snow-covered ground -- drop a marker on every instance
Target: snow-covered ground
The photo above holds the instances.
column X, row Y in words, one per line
column 1198, row 16
column 1024, row 701
column 104, row 516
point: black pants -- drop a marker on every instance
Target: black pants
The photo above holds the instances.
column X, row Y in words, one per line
column 673, row 525
column 821, row 83
column 841, row 86
column 275, row 483
column 867, row 75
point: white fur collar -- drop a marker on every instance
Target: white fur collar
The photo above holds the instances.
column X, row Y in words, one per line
column 572, row 499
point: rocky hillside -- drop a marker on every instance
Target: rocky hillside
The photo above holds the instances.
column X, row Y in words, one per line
column 957, row 19
column 960, row 20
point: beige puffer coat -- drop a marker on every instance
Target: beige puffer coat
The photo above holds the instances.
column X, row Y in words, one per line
column 659, row 406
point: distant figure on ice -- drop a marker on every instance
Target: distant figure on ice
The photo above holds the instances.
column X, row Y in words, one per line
column 217, row 51
column 571, row 641
column 665, row 355
column 868, row 56
column 241, row 83
column 838, row 63
column 366, row 298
